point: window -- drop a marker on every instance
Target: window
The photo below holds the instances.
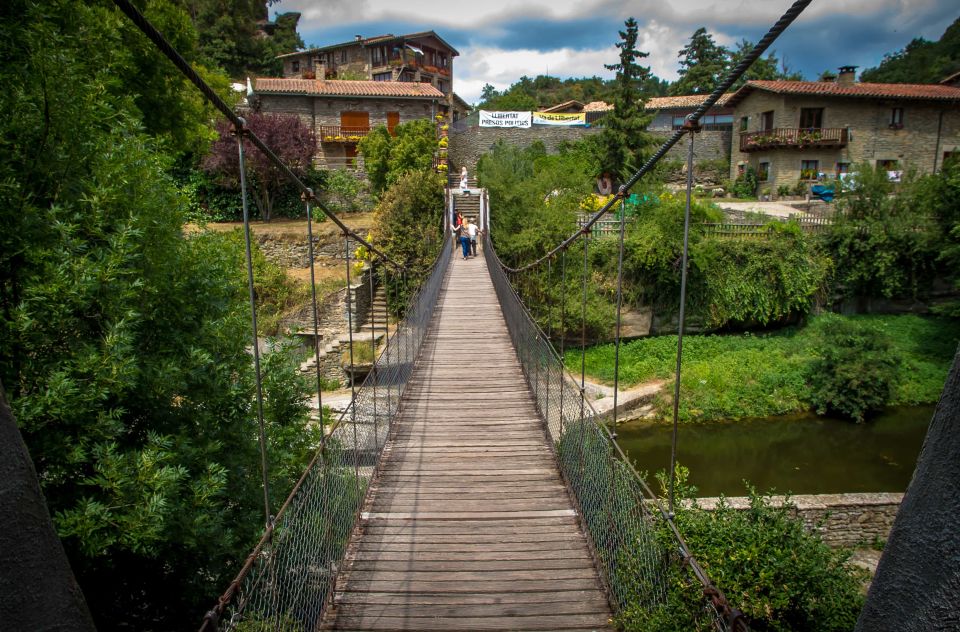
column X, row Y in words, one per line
column 842, row 168
column 743, row 123
column 343, row 56
column 710, row 122
column 811, row 118
column 406, row 75
column 763, row 171
column 295, row 66
column 766, row 121
column 888, row 165
column 809, row 169
column 896, row 118
column 383, row 76
column 378, row 56
column 441, row 86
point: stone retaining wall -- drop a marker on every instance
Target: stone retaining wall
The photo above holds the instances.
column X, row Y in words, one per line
column 840, row 519
column 466, row 146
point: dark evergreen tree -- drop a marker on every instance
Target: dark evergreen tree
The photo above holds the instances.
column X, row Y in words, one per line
column 702, row 65
column 624, row 139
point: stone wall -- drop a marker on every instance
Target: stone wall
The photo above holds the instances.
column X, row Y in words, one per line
column 841, row 519
column 468, row 145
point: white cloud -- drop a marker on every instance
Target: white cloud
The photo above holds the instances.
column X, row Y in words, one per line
column 479, row 65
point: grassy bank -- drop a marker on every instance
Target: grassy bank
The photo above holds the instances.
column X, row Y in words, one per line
column 758, row 375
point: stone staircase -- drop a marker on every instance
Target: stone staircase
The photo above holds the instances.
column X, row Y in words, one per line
column 372, row 329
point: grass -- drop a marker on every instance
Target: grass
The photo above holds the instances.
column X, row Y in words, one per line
column 759, row 375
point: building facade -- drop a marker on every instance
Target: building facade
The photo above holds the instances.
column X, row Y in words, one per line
column 415, row 58
column 794, row 132
column 343, row 112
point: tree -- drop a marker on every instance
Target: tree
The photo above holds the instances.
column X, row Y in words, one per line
column 292, row 141
column 765, row 68
column 702, row 65
column 122, row 339
column 624, row 139
column 921, row 61
column 387, row 157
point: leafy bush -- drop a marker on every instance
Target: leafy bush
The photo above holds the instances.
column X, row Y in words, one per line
column 745, row 185
column 344, row 192
column 407, row 227
column 755, row 282
column 767, row 564
column 388, row 156
column 855, row 370
column 884, row 245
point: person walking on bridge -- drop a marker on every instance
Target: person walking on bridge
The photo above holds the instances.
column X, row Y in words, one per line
column 472, row 230
column 463, row 234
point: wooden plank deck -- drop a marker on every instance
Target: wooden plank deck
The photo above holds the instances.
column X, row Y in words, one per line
column 468, row 526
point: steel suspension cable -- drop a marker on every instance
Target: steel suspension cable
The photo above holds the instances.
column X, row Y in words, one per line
column 732, row 77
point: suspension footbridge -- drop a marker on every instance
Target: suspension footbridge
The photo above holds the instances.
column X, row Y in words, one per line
column 468, row 524
column 469, row 485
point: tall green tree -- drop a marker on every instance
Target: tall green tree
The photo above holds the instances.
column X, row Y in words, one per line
column 388, row 156
column 920, row 61
column 765, row 68
column 624, row 141
column 123, row 340
column 702, row 65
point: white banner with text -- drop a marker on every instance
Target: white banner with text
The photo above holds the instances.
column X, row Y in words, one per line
column 504, row 119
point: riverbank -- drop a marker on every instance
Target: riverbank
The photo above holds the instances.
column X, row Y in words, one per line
column 732, row 376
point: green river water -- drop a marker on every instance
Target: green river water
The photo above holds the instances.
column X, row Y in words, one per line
column 800, row 454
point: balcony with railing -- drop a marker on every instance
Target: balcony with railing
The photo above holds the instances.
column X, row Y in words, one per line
column 793, row 138
column 342, row 134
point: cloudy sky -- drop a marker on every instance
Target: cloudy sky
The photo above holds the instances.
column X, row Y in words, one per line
column 501, row 40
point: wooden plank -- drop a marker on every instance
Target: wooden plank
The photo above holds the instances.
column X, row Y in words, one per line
column 468, row 525
column 374, row 621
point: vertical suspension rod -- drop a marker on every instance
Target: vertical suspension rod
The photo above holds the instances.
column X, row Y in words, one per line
column 683, row 302
column 253, row 321
column 313, row 300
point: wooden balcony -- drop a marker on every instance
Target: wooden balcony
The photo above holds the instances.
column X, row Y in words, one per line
column 791, row 138
column 341, row 134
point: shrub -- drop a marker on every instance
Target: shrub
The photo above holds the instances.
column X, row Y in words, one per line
column 767, row 564
column 745, row 186
column 883, row 244
column 344, row 192
column 856, row 369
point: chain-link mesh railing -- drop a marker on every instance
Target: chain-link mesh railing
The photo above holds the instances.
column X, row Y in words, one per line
column 633, row 539
column 287, row 582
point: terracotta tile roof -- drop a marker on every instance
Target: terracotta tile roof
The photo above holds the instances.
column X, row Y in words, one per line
column 319, row 87
column 372, row 40
column 912, row 91
column 597, row 106
column 685, row 101
column 565, row 104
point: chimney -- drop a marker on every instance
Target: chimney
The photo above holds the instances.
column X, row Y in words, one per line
column 847, row 75
column 359, row 38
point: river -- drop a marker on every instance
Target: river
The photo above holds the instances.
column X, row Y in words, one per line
column 800, row 454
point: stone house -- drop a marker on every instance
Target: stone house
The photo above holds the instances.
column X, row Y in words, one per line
column 415, row 58
column 714, row 141
column 343, row 112
column 794, row 132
